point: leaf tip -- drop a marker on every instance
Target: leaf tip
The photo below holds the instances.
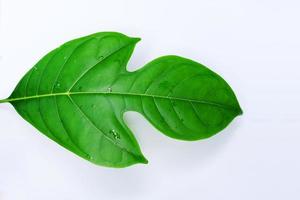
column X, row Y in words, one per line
column 143, row 160
column 136, row 39
column 241, row 112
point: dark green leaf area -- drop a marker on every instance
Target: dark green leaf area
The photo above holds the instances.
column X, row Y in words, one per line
column 78, row 93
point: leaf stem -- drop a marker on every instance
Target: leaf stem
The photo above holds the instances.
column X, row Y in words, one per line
column 4, row 100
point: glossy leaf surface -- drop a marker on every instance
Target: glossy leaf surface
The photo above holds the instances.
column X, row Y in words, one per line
column 78, row 93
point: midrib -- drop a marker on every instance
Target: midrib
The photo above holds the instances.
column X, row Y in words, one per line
column 120, row 94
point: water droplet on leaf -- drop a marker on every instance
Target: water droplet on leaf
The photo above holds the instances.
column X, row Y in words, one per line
column 109, row 89
column 115, row 134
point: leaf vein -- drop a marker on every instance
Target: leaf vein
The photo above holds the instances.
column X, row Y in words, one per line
column 210, row 103
column 67, row 132
column 85, row 72
column 95, row 126
column 64, row 64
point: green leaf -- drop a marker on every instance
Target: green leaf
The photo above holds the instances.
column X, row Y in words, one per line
column 78, row 93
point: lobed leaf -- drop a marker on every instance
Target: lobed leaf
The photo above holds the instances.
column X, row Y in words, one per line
column 78, row 93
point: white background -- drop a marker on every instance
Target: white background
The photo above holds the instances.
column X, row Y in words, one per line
column 253, row 44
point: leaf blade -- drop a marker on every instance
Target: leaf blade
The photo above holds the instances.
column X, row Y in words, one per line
column 78, row 93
